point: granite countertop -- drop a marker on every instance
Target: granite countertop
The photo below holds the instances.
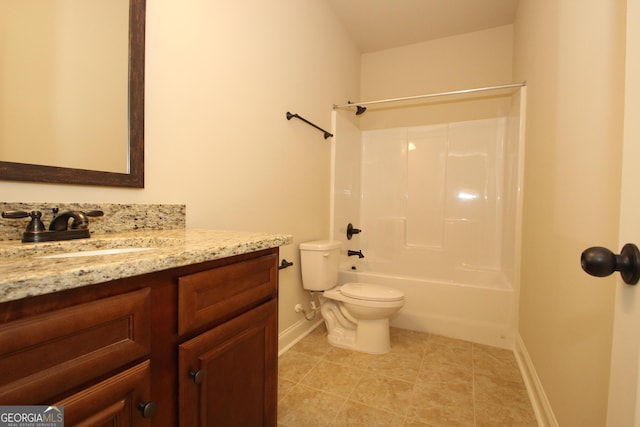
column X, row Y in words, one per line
column 24, row 273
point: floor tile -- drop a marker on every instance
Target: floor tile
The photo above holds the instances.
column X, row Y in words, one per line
column 314, row 344
column 495, row 362
column 424, row 381
column 383, row 392
column 284, row 387
column 305, row 406
column 333, row 378
column 350, row 358
column 400, row 365
column 416, row 423
column 443, row 404
column 492, row 392
column 294, row 366
column 355, row 414
column 501, row 415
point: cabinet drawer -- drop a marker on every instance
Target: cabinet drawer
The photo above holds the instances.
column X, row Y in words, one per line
column 212, row 295
column 48, row 354
column 112, row 402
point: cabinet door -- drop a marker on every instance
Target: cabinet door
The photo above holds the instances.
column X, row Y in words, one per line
column 228, row 375
column 121, row 401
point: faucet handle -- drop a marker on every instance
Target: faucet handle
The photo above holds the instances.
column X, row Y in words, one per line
column 93, row 213
column 34, row 226
column 15, row 214
column 351, row 230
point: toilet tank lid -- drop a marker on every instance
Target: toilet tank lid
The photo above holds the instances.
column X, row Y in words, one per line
column 320, row 245
column 371, row 292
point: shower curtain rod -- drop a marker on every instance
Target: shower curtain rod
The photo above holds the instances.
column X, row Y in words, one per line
column 431, row 95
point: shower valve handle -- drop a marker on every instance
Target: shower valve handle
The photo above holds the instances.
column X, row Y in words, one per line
column 351, row 231
column 601, row 262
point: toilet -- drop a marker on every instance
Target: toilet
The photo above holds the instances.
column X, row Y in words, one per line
column 356, row 314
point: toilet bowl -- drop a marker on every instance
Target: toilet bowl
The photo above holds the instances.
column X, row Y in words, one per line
column 356, row 314
column 367, row 311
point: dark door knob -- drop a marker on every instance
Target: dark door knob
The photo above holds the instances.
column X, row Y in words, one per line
column 601, row 262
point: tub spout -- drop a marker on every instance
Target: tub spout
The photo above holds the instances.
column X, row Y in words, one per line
column 359, row 253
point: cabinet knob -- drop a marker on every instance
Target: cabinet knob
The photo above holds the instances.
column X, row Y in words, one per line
column 147, row 409
column 197, row 376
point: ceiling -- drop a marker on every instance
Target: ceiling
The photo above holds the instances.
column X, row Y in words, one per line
column 384, row 24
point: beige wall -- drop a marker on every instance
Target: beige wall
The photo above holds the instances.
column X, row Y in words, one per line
column 472, row 60
column 439, row 65
column 571, row 55
column 220, row 77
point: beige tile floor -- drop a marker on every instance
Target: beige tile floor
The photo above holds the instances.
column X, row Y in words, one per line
column 425, row 380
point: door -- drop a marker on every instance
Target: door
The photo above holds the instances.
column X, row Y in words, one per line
column 624, row 397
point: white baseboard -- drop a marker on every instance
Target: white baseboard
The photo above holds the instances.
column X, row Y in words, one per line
column 541, row 406
column 290, row 336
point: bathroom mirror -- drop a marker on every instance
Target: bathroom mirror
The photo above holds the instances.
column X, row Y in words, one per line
column 123, row 26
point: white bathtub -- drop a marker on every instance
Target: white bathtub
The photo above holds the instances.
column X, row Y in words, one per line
column 479, row 306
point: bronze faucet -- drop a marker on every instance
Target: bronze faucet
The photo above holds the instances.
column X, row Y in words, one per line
column 60, row 227
column 79, row 219
column 358, row 253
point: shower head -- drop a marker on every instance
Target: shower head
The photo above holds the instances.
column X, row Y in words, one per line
column 360, row 110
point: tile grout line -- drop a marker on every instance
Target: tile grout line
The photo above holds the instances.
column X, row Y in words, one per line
column 473, row 384
column 348, row 398
column 345, row 400
column 298, row 383
column 415, row 383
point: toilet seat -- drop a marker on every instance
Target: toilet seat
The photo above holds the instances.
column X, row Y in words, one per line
column 370, row 292
column 337, row 294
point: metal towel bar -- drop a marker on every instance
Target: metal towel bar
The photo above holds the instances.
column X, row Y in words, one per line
column 326, row 134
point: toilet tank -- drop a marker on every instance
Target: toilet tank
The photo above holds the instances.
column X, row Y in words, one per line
column 319, row 262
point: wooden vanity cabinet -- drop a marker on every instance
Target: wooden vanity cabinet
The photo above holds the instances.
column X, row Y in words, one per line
column 190, row 346
column 228, row 373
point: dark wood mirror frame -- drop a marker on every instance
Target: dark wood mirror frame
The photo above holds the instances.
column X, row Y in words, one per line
column 135, row 178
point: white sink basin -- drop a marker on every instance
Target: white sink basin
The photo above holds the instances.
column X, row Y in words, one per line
column 98, row 252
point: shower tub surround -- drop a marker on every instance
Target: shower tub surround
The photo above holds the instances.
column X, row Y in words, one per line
column 439, row 206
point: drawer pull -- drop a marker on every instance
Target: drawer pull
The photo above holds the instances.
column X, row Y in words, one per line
column 147, row 409
column 197, row 376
